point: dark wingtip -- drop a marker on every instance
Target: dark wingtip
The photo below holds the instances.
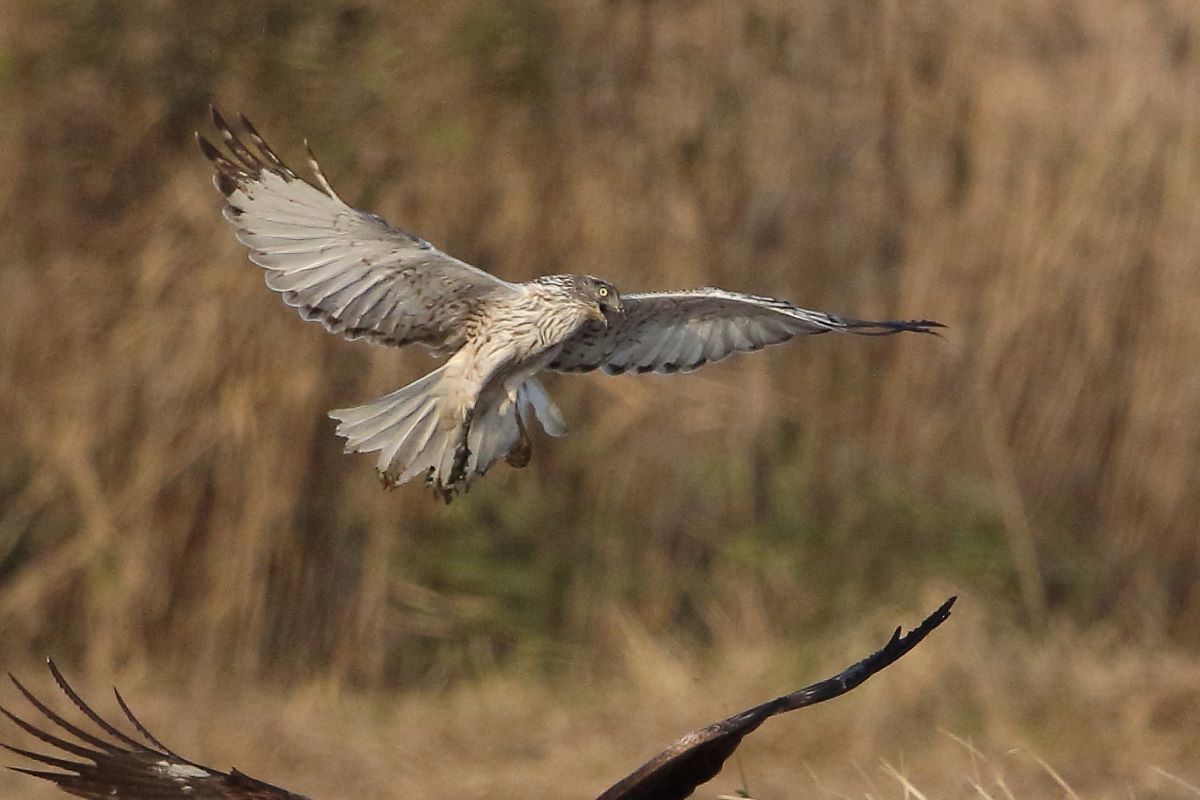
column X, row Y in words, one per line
column 53, row 777
column 206, row 147
column 936, row 618
column 915, row 326
column 20, row 687
column 227, row 174
column 218, row 120
column 864, row 327
column 942, row 613
column 927, row 326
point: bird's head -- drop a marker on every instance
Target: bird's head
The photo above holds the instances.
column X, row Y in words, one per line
column 605, row 296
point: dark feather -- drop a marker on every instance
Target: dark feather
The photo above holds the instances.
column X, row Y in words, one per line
column 122, row 767
column 696, row 757
column 125, row 768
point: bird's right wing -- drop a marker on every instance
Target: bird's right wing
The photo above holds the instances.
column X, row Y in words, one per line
column 681, row 331
column 115, row 765
column 346, row 268
column 696, row 757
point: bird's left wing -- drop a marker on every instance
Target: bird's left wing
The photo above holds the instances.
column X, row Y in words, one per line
column 113, row 764
column 681, row 331
column 347, row 269
column 695, row 758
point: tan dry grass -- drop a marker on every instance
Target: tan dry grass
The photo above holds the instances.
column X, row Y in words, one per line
column 173, row 505
column 1025, row 171
column 979, row 710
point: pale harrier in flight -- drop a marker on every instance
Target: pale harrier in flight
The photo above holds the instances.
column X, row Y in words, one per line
column 360, row 277
column 113, row 764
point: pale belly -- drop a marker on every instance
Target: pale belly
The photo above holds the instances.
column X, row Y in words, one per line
column 511, row 349
column 508, row 380
column 496, row 374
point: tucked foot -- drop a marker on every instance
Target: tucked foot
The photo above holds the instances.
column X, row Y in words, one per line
column 446, row 491
column 522, row 450
column 462, row 453
column 456, row 482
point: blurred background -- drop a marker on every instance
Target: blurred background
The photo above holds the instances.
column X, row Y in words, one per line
column 176, row 514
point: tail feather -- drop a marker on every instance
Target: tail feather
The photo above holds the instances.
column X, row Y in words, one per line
column 493, row 433
column 387, row 430
column 417, row 430
column 406, row 451
column 451, row 458
column 362, row 423
column 427, row 429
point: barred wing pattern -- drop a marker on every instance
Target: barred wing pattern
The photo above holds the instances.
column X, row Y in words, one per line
column 681, row 331
column 346, row 268
column 697, row 757
column 118, row 766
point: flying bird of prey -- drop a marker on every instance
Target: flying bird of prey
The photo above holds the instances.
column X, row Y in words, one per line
column 363, row 278
column 113, row 764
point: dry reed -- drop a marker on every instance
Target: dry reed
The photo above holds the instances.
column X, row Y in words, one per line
column 171, row 492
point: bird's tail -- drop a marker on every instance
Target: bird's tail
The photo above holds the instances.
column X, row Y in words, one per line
column 419, row 430
column 426, row 429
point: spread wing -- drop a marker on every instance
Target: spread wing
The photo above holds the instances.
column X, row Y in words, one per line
column 675, row 773
column 681, row 331
column 115, row 765
column 348, row 269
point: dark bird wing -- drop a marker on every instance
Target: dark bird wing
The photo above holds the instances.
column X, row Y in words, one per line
column 348, row 269
column 681, row 331
column 695, row 758
column 112, row 764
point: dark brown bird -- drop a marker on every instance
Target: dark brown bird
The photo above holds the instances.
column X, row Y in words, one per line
column 112, row 764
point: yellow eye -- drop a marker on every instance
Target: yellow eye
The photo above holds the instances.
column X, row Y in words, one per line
column 603, row 292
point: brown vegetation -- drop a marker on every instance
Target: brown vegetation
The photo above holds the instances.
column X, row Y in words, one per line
column 173, row 501
column 978, row 711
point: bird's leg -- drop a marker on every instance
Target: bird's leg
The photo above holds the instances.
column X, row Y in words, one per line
column 442, row 491
column 458, row 471
column 445, row 493
column 522, row 450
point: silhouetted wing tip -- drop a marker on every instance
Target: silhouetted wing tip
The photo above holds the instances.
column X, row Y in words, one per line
column 675, row 772
column 242, row 163
column 939, row 615
column 943, row 611
column 887, row 327
column 901, row 643
column 53, row 777
column 123, row 767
